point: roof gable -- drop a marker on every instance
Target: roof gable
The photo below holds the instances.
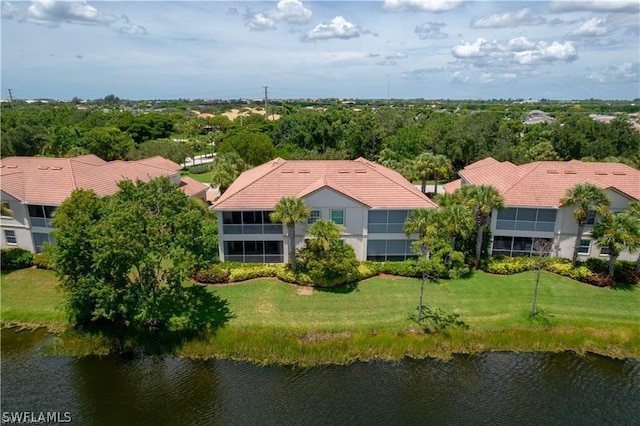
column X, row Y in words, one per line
column 545, row 183
column 368, row 183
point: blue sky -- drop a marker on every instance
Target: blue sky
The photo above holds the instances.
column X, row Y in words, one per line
column 329, row 49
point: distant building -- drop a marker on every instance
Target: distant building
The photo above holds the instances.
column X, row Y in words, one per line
column 372, row 202
column 533, row 194
column 536, row 116
column 32, row 188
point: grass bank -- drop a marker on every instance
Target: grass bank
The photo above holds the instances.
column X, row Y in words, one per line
column 280, row 323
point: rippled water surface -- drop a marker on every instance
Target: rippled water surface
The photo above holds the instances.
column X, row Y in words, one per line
column 499, row 388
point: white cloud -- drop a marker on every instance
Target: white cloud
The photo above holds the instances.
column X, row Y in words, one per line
column 591, row 28
column 289, row 11
column 133, row 29
column 54, row 12
column 338, row 28
column 628, row 71
column 508, row 19
column 458, row 78
column 431, row 31
column 628, row 6
column 543, row 53
column 421, row 73
column 9, row 10
column 397, row 55
column 421, row 5
column 519, row 50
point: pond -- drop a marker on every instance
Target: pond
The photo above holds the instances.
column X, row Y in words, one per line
column 494, row 388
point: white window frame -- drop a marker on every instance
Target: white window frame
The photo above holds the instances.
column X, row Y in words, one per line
column 343, row 218
column 582, row 245
column 591, row 218
column 315, row 216
column 10, row 234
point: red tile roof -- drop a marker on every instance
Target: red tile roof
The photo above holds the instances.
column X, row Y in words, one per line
column 545, row 183
column 49, row 181
column 366, row 182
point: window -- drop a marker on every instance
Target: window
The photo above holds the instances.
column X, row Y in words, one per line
column 584, row 247
column 389, row 250
column 527, row 219
column 513, row 246
column 254, row 251
column 6, row 208
column 337, row 216
column 387, row 221
column 314, row 217
column 41, row 215
column 10, row 236
column 249, row 222
column 591, row 218
column 40, row 239
column 604, row 251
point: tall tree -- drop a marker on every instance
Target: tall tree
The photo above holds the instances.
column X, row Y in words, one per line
column 123, row 260
column 442, row 168
column 482, row 199
column 289, row 211
column 586, row 197
column 633, row 211
column 225, row 170
column 423, row 168
column 617, row 232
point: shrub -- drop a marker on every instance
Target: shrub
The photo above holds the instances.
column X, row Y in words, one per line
column 214, row 274
column 600, row 279
column 407, row 268
column 286, row 274
column 367, row 270
column 15, row 258
column 43, row 260
column 250, row 271
column 597, row 265
column 336, row 266
column 503, row 265
column 199, row 169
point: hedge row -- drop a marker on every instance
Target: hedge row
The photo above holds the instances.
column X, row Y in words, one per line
column 15, row 258
column 593, row 271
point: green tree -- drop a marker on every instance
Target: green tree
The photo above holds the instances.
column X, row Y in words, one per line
column 289, row 211
column 586, row 197
column 482, row 199
column 174, row 151
column 325, row 258
column 616, row 232
column 123, row 260
column 423, row 168
column 442, row 168
column 225, row 169
column 108, row 143
column 253, row 147
column 633, row 211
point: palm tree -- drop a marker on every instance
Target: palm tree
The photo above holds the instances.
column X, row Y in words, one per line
column 482, row 199
column 423, row 166
column 226, row 169
column 442, row 168
column 457, row 221
column 289, row 211
column 322, row 234
column 425, row 223
column 616, row 232
column 586, row 197
column 633, row 210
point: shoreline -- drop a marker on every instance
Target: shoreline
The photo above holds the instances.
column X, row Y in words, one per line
column 306, row 349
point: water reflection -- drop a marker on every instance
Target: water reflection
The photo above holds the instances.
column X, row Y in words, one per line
column 492, row 388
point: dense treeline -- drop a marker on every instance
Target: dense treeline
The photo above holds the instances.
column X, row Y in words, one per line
column 390, row 134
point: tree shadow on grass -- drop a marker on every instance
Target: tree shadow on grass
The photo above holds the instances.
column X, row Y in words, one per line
column 196, row 315
column 340, row 289
column 625, row 287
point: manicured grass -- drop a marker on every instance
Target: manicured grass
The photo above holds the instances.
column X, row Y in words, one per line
column 277, row 322
column 30, row 296
column 200, row 177
column 483, row 301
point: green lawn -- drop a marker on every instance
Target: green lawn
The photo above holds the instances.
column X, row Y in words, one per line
column 483, row 301
column 200, row 177
column 277, row 322
column 30, row 296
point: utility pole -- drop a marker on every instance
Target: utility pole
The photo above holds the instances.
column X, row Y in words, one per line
column 266, row 114
column 11, row 98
